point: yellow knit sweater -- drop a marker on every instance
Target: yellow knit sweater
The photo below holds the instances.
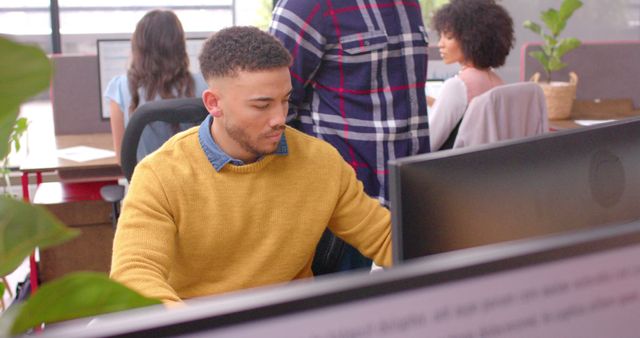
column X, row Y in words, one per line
column 187, row 231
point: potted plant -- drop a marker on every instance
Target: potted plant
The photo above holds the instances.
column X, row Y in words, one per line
column 559, row 95
column 25, row 71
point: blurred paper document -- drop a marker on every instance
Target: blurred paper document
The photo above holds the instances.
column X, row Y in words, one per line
column 84, row 153
column 591, row 122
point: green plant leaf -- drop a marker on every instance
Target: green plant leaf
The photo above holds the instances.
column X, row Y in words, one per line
column 532, row 26
column 8, row 115
column 556, row 64
column 19, row 128
column 551, row 18
column 77, row 295
column 25, row 71
column 567, row 8
column 553, row 49
column 21, row 125
column 7, row 318
column 23, row 227
column 542, row 58
column 550, row 43
column 15, row 140
column 2, row 289
column 567, row 45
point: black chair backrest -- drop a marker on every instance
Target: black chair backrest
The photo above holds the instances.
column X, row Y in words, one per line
column 172, row 111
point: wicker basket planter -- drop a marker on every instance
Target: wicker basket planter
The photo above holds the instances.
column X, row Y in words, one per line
column 559, row 96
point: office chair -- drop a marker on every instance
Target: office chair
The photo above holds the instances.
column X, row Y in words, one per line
column 180, row 114
column 328, row 254
column 502, row 113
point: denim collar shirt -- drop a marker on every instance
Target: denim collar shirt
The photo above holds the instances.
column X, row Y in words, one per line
column 217, row 156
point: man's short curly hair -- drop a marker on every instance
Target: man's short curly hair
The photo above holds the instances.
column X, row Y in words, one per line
column 483, row 29
column 240, row 48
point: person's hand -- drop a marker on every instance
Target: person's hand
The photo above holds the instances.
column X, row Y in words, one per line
column 430, row 100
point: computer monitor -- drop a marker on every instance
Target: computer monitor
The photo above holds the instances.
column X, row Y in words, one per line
column 433, row 87
column 580, row 284
column 466, row 197
column 113, row 60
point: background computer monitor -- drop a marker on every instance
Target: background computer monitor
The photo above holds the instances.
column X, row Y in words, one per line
column 433, row 87
column 583, row 284
column 511, row 190
column 113, row 60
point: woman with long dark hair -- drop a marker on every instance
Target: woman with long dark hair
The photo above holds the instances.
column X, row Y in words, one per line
column 159, row 69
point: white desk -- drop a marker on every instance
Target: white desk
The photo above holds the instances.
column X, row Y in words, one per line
column 40, row 153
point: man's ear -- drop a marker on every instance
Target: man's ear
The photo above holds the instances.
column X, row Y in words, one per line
column 212, row 102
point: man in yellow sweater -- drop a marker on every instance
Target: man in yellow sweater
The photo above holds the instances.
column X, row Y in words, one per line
column 242, row 200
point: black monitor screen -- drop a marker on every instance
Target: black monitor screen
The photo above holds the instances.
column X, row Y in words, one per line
column 517, row 189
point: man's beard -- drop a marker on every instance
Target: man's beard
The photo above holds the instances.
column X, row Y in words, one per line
column 244, row 140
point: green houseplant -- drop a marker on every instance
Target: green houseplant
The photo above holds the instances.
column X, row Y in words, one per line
column 25, row 71
column 559, row 95
column 554, row 48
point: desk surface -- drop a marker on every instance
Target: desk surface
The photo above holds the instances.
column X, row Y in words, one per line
column 40, row 145
column 44, row 157
column 602, row 110
column 571, row 122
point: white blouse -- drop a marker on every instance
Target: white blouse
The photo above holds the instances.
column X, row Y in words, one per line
column 447, row 111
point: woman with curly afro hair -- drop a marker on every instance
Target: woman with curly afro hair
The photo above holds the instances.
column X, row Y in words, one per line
column 477, row 34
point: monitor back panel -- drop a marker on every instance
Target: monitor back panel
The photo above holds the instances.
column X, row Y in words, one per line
column 583, row 284
column 474, row 196
column 75, row 95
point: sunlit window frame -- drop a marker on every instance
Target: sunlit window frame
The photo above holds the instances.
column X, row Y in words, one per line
column 54, row 10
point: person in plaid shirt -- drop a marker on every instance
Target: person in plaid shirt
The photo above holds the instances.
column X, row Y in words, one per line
column 359, row 70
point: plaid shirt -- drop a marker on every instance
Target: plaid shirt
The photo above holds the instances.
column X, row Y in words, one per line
column 358, row 77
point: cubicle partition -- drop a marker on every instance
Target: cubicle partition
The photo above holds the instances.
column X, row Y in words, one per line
column 75, row 95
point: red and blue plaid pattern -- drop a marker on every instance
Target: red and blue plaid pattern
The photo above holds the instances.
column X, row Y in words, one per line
column 358, row 77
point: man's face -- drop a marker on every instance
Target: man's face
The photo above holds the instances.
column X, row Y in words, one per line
column 252, row 110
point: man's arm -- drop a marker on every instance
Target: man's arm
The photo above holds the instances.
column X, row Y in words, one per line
column 360, row 220
column 298, row 25
column 144, row 244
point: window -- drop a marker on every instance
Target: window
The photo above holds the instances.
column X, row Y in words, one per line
column 82, row 22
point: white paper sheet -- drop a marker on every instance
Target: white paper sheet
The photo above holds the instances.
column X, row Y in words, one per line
column 84, row 153
column 591, row 122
